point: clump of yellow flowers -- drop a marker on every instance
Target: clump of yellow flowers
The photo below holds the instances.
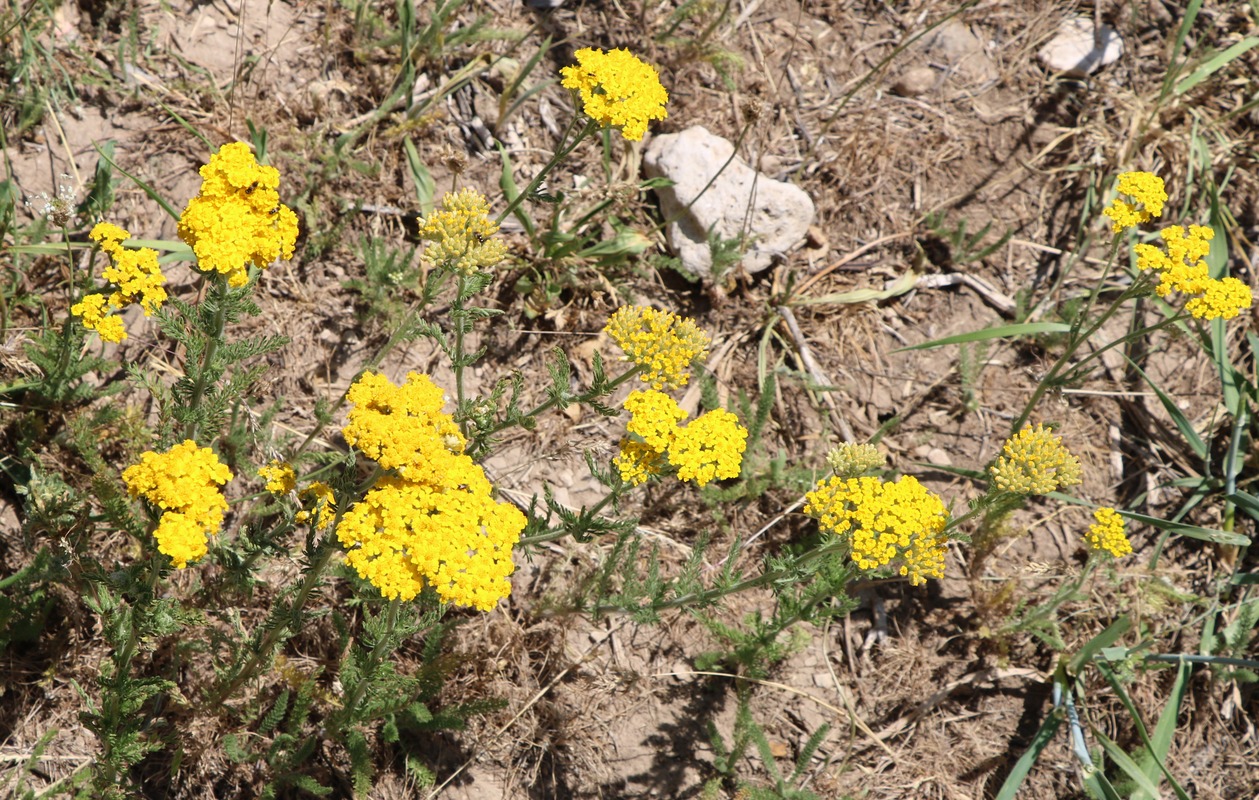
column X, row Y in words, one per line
column 709, row 447
column 279, row 477
column 1106, row 535
column 1147, row 196
column 1034, row 461
column 136, row 276
column 461, row 234
column 885, row 522
column 617, row 90
column 184, row 482
column 1182, row 269
column 661, row 343
column 237, row 218
column 434, row 521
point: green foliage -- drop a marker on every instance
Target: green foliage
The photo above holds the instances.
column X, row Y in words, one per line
column 388, row 275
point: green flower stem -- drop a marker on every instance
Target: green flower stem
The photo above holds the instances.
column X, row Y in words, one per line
column 1045, row 610
column 381, row 648
column 560, row 154
column 1074, row 343
column 290, row 620
column 220, row 288
column 611, row 387
column 111, row 711
column 459, row 316
column 709, row 596
column 551, row 534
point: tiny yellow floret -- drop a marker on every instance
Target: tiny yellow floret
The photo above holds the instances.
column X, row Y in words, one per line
column 617, row 90
column 184, row 483
column 1034, row 461
column 96, row 313
column 662, row 344
column 461, row 235
column 1106, row 535
column 1148, row 195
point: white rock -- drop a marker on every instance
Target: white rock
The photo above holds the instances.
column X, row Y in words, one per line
column 772, row 215
column 1079, row 48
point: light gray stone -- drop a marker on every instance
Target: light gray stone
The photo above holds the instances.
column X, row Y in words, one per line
column 1079, row 48
column 772, row 216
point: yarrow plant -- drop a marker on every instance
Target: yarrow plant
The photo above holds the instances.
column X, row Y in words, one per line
column 707, row 448
column 1183, row 269
column 461, row 235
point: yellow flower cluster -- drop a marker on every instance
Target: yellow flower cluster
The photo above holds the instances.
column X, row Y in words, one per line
column 136, row 276
column 617, row 90
column 437, row 522
column 1183, row 269
column 1106, row 535
column 1143, row 188
column 850, row 460
column 279, row 477
column 884, row 521
column 237, row 219
column 184, row 482
column 461, row 235
column 709, row 447
column 1034, row 461
column 322, row 502
column 662, row 344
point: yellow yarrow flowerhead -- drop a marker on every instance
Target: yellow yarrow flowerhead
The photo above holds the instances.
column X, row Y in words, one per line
column 662, row 344
column 617, row 90
column 1147, row 194
column 403, row 428
column 237, row 219
column 654, row 416
column 321, row 505
column 885, row 522
column 184, row 482
column 94, row 311
column 1034, row 461
column 709, row 447
column 461, row 235
column 1183, row 269
column 136, row 276
column 279, row 477
column 1106, row 535
column 436, row 523
column 638, row 461
column 850, row 460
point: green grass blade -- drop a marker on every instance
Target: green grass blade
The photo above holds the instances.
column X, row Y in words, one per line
column 1044, row 735
column 511, row 191
column 1160, row 743
column 149, row 190
column 1247, row 502
column 425, row 188
column 1183, row 424
column 1214, row 64
column 999, row 332
column 1125, row 763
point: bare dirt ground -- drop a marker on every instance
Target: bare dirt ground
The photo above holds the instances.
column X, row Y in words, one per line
column 924, row 701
